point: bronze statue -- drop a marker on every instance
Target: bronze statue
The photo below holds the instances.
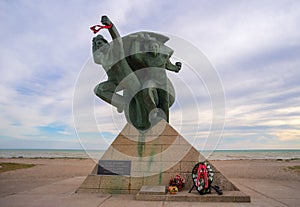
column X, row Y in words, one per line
column 135, row 64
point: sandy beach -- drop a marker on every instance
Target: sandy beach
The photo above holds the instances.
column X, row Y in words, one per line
column 268, row 182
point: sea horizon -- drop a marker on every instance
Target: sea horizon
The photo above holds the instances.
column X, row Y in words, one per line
column 218, row 154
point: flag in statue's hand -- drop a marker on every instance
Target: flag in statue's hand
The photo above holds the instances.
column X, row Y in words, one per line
column 97, row 28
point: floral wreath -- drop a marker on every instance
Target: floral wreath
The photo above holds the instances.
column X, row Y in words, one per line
column 203, row 176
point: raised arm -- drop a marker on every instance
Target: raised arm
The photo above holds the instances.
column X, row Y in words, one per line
column 116, row 47
column 113, row 30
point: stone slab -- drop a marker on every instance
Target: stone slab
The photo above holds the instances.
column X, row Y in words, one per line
column 114, row 167
column 153, row 190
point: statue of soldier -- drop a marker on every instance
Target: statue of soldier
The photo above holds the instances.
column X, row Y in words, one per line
column 140, row 59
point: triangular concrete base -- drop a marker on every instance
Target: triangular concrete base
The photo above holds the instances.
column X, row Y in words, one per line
column 155, row 156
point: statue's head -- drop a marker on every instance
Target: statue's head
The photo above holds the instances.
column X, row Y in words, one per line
column 100, row 47
column 154, row 48
column 100, row 41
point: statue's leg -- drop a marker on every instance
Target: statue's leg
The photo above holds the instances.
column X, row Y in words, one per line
column 138, row 114
column 139, row 108
column 127, row 78
column 171, row 93
column 106, row 91
column 149, row 96
column 163, row 103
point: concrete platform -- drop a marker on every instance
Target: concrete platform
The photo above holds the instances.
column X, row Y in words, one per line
column 62, row 194
column 184, row 196
column 58, row 194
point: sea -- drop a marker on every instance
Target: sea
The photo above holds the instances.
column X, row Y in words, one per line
column 96, row 154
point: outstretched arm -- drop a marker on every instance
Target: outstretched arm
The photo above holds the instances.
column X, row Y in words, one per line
column 171, row 67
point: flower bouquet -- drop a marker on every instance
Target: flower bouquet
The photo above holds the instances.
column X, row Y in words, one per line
column 177, row 181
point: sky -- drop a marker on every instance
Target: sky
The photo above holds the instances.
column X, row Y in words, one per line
column 254, row 47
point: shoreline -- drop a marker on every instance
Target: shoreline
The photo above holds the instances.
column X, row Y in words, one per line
column 86, row 158
column 97, row 154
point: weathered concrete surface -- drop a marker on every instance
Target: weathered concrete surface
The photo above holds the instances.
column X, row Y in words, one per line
column 61, row 194
column 155, row 156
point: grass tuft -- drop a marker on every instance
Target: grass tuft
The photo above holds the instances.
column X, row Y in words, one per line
column 8, row 166
column 295, row 168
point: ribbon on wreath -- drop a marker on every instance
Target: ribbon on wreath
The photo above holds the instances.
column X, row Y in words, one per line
column 202, row 173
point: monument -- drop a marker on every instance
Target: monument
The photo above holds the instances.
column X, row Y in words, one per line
column 148, row 151
column 136, row 64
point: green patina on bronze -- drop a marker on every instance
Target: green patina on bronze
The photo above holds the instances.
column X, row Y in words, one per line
column 160, row 177
column 141, row 144
column 136, row 64
column 151, row 157
column 141, row 148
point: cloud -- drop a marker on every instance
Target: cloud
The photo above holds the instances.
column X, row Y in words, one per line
column 253, row 45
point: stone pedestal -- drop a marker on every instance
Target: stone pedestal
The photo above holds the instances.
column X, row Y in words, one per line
column 154, row 156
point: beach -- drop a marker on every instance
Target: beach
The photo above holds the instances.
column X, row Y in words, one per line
column 53, row 182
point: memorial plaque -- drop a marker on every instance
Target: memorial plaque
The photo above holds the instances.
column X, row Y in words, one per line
column 114, row 167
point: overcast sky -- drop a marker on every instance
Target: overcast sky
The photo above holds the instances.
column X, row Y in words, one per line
column 253, row 45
